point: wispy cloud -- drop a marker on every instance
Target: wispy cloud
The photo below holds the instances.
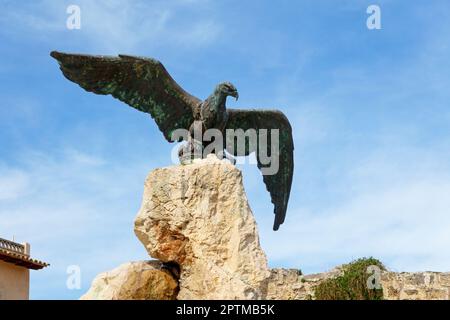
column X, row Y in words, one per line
column 394, row 208
column 13, row 184
column 112, row 26
column 68, row 205
column 372, row 160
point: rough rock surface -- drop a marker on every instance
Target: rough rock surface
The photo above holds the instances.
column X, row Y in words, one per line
column 198, row 216
column 416, row 286
column 288, row 284
column 143, row 280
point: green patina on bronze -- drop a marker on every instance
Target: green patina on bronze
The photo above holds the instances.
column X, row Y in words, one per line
column 145, row 84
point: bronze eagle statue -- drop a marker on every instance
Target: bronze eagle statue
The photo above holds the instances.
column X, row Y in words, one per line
column 145, row 84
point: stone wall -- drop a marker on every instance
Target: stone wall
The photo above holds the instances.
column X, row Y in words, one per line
column 288, row 284
column 416, row 286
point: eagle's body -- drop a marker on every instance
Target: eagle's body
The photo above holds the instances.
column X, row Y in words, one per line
column 210, row 114
column 145, row 84
column 213, row 110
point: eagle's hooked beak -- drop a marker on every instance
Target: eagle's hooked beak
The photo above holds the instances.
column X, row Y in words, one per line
column 235, row 94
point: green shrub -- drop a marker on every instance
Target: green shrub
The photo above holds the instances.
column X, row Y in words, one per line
column 352, row 284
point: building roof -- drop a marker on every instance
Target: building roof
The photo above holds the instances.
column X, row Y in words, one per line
column 15, row 253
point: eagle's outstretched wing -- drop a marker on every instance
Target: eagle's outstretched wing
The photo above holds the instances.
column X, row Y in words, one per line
column 278, row 184
column 140, row 82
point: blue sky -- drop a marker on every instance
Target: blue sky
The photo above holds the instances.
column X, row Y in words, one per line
column 369, row 110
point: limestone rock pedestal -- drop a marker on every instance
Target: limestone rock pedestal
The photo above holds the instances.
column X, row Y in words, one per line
column 198, row 216
column 142, row 280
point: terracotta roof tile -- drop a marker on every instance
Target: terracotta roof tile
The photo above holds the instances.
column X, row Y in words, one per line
column 21, row 260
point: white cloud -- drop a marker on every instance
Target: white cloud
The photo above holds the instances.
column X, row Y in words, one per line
column 394, row 207
column 70, row 206
column 84, row 158
column 388, row 196
column 116, row 26
column 13, row 184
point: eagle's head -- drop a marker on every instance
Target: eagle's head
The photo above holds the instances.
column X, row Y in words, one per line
column 227, row 89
